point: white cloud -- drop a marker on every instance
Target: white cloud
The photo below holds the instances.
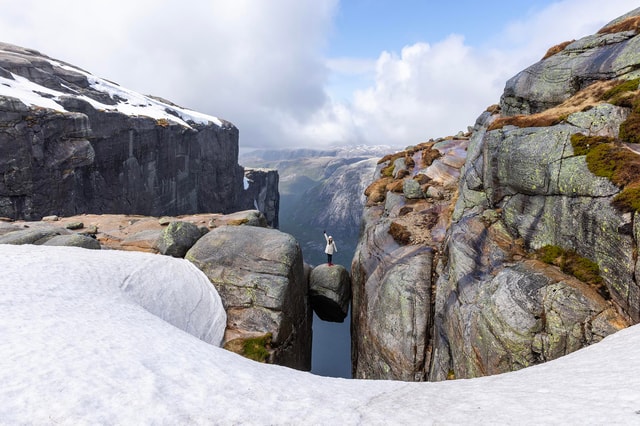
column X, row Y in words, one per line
column 261, row 65
column 437, row 89
column 251, row 62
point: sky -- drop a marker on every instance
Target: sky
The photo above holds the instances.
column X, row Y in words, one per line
column 311, row 73
column 101, row 337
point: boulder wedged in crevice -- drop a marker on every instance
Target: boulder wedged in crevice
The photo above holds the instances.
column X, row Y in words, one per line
column 330, row 292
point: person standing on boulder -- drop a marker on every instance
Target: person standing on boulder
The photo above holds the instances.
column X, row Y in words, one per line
column 331, row 247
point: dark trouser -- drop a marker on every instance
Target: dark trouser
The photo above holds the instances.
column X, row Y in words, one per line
column 329, row 258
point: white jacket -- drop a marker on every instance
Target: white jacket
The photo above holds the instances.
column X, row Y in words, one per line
column 331, row 246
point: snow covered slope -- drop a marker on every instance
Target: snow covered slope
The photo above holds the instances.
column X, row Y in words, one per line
column 82, row 341
column 74, row 82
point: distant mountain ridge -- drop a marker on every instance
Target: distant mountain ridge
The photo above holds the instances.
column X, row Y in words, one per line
column 321, row 189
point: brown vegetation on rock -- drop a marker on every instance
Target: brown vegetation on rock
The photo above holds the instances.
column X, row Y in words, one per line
column 396, row 186
column 630, row 24
column 586, row 98
column 556, row 49
column 429, row 155
column 400, row 233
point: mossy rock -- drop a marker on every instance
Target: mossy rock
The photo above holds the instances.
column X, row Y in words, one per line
column 177, row 238
column 571, row 263
column 254, row 348
column 622, row 88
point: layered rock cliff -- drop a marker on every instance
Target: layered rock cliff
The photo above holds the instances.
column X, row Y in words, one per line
column 532, row 254
column 73, row 143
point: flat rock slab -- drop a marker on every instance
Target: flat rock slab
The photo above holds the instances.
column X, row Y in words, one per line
column 131, row 232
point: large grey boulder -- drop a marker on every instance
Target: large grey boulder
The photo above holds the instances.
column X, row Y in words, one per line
column 411, row 189
column 177, row 238
column 330, row 292
column 74, row 240
column 37, row 235
column 551, row 81
column 259, row 275
column 496, row 311
column 391, row 307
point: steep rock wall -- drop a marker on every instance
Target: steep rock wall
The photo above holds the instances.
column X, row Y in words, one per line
column 504, row 294
column 72, row 143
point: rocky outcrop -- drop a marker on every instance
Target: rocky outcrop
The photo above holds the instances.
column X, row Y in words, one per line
column 330, row 292
column 127, row 232
column 612, row 53
column 264, row 286
column 178, row 237
column 261, row 193
column 74, row 240
column 37, row 235
column 393, row 267
column 259, row 275
column 534, row 256
column 72, row 143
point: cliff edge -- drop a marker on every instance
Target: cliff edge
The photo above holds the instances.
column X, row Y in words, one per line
column 73, row 143
column 529, row 251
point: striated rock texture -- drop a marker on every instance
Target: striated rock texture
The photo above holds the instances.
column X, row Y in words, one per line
column 392, row 269
column 72, row 143
column 259, row 275
column 534, row 255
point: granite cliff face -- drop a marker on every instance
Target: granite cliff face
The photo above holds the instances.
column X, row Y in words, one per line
column 73, row 143
column 532, row 253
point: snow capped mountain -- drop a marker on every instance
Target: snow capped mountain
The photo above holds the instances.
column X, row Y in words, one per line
column 76, row 143
column 64, row 81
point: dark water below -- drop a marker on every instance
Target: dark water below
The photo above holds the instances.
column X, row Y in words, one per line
column 331, row 350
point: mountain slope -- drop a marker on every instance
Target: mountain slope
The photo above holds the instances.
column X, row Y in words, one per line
column 529, row 251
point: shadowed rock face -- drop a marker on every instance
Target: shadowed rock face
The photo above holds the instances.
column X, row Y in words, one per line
column 493, row 306
column 261, row 193
column 71, row 144
column 330, row 292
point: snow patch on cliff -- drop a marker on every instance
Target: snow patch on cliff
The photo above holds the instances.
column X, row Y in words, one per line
column 128, row 102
